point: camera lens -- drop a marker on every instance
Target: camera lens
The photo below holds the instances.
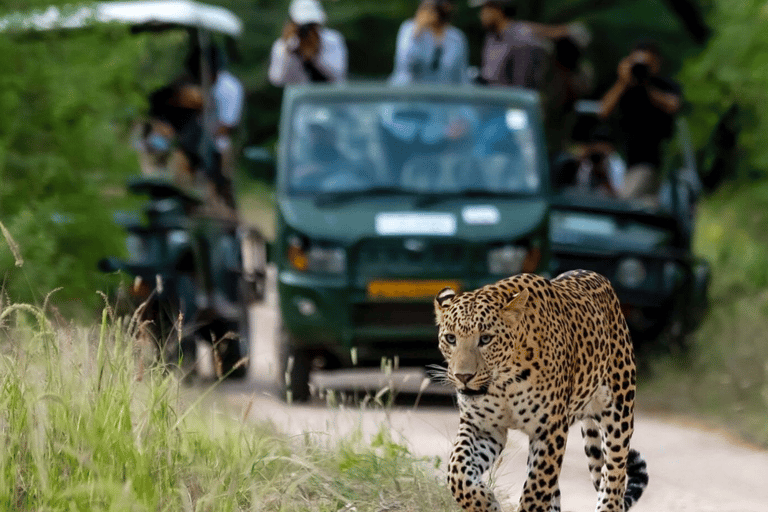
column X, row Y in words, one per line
column 641, row 72
column 304, row 30
column 596, row 158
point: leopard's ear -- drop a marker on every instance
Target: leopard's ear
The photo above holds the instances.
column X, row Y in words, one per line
column 442, row 302
column 513, row 311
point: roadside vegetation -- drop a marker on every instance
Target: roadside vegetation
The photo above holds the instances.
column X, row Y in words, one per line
column 68, row 104
column 731, row 70
column 86, row 424
column 724, row 377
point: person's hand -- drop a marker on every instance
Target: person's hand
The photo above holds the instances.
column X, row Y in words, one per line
column 188, row 96
column 290, row 30
column 309, row 46
column 624, row 70
column 580, row 33
column 224, row 130
column 426, row 19
column 163, row 128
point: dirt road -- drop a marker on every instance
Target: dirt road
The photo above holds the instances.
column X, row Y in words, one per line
column 690, row 469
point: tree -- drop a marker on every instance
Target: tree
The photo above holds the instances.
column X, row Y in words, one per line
column 732, row 70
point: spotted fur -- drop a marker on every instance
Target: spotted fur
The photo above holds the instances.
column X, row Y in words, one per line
column 536, row 355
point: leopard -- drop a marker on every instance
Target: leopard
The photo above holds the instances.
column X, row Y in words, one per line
column 536, row 355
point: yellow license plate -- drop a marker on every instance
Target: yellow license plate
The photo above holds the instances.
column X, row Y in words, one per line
column 408, row 289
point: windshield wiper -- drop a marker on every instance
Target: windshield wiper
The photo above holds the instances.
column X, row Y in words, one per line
column 342, row 196
column 431, row 199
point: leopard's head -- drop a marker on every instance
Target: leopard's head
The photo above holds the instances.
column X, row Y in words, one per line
column 476, row 332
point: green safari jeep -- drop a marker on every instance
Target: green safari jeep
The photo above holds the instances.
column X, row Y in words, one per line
column 387, row 195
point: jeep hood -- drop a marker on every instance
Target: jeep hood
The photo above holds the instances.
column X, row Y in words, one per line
column 471, row 219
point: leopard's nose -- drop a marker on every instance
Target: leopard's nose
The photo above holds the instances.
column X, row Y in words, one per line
column 464, row 377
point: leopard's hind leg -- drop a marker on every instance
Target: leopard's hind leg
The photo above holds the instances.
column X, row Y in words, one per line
column 590, row 432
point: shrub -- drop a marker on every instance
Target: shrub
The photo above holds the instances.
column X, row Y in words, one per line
column 67, row 101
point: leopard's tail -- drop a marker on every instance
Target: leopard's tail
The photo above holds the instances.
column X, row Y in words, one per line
column 637, row 478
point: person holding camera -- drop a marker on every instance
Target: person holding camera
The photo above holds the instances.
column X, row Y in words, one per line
column 307, row 51
column 600, row 169
column 429, row 49
column 515, row 52
column 645, row 104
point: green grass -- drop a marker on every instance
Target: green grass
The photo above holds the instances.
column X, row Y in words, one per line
column 86, row 424
column 725, row 377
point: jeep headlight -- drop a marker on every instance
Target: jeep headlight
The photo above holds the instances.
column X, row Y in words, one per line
column 507, row 260
column 319, row 259
column 327, row 260
column 631, row 272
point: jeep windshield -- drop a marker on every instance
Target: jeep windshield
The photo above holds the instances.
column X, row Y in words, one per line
column 339, row 150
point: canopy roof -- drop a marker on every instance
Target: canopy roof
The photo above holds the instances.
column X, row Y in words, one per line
column 147, row 13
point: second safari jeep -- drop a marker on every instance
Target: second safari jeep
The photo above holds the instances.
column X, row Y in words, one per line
column 387, row 195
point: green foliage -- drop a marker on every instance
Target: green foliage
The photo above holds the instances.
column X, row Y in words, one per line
column 726, row 374
column 87, row 427
column 66, row 105
column 732, row 69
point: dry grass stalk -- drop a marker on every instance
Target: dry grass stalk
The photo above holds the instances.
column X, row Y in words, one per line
column 12, row 245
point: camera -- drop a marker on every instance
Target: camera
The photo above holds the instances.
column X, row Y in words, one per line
column 304, row 30
column 641, row 72
column 596, row 158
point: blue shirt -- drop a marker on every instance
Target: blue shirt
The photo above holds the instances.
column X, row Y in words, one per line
column 423, row 59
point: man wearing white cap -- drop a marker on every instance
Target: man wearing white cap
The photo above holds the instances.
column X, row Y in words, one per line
column 307, row 50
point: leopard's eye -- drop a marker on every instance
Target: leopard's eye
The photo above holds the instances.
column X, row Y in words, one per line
column 450, row 339
column 485, row 339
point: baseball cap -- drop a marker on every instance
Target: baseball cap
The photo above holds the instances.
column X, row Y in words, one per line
column 302, row 12
column 480, row 3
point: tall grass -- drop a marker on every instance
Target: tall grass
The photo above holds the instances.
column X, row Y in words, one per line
column 85, row 425
column 726, row 374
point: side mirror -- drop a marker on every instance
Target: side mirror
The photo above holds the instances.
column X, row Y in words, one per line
column 260, row 163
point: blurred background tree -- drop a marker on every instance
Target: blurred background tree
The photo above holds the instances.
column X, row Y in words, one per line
column 731, row 73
